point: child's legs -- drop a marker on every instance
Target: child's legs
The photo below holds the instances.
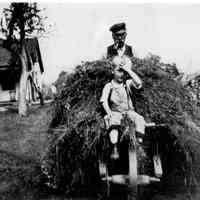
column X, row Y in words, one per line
column 138, row 120
column 116, row 118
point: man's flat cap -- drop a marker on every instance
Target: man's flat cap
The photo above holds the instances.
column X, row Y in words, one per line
column 118, row 27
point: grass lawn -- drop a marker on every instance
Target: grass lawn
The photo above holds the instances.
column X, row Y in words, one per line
column 22, row 143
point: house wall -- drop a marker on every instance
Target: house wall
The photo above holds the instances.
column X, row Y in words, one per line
column 4, row 96
column 8, row 95
column 10, row 70
column 9, row 90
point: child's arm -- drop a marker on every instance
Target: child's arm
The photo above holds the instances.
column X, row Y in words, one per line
column 107, row 108
column 104, row 99
column 135, row 78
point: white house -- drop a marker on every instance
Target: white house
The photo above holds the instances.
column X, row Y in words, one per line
column 10, row 70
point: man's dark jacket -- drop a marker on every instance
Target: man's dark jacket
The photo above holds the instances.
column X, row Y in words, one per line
column 112, row 51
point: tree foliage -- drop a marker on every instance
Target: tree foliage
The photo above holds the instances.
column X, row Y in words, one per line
column 24, row 19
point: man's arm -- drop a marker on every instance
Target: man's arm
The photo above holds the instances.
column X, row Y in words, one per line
column 131, row 51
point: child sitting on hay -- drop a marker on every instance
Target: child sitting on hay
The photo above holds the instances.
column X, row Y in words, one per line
column 116, row 99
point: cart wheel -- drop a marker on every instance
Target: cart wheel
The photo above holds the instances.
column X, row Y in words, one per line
column 105, row 184
column 133, row 174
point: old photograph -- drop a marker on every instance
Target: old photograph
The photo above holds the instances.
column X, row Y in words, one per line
column 99, row 101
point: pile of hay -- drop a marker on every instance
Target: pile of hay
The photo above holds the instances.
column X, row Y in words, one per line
column 77, row 123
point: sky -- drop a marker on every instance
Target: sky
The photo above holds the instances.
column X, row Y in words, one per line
column 80, row 32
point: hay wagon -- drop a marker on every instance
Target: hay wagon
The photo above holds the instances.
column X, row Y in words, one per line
column 123, row 171
column 162, row 100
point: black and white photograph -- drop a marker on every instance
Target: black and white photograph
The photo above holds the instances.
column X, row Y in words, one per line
column 99, row 100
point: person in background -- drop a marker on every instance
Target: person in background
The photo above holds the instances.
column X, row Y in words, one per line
column 54, row 91
column 119, row 48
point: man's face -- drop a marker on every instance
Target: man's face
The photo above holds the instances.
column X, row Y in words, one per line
column 119, row 38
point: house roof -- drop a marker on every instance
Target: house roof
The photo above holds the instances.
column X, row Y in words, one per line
column 33, row 51
column 6, row 57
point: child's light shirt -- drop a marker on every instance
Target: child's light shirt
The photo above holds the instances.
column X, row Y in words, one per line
column 118, row 97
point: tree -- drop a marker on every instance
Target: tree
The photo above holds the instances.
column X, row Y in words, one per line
column 22, row 20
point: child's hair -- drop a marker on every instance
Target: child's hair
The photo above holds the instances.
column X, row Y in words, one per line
column 118, row 61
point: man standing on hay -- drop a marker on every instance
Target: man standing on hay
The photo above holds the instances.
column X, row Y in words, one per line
column 116, row 99
column 119, row 48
